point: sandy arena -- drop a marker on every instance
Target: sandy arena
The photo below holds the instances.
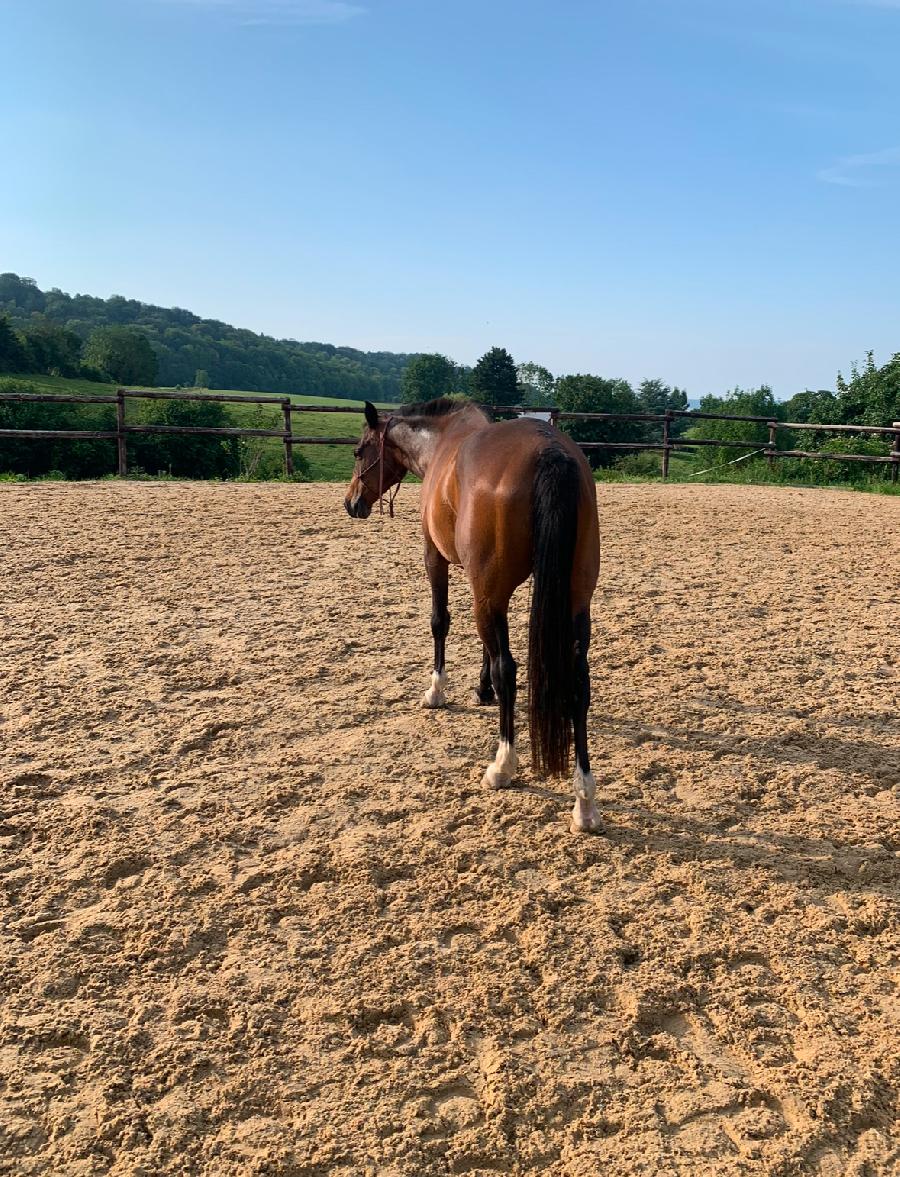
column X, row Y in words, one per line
column 260, row 917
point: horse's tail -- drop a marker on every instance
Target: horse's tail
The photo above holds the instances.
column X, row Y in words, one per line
column 551, row 638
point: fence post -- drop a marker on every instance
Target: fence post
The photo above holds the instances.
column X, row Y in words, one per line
column 288, row 433
column 665, row 454
column 895, row 452
column 770, row 456
column 120, row 432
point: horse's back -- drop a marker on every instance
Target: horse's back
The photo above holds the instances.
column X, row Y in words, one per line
column 489, row 491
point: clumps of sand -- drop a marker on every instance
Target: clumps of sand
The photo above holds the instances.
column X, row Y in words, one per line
column 260, row 917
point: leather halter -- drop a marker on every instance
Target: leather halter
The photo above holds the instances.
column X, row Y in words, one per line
column 379, row 462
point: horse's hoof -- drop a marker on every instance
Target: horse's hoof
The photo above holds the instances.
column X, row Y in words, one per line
column 494, row 779
column 585, row 819
column 483, row 701
column 434, row 696
column 574, row 828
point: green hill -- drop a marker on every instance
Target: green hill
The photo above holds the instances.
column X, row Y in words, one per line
column 229, row 356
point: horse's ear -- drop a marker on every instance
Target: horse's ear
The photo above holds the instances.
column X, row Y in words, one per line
column 371, row 416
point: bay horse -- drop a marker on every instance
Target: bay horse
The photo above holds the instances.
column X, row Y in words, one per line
column 503, row 500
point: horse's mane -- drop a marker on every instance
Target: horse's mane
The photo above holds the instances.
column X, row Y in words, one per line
column 442, row 407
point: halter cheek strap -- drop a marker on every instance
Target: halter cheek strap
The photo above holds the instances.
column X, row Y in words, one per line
column 392, row 494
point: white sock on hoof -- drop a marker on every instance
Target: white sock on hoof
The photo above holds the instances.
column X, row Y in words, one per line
column 434, row 696
column 585, row 815
column 500, row 773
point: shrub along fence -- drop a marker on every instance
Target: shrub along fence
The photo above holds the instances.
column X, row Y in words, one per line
column 670, row 441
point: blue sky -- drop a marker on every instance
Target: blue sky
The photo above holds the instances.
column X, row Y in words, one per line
column 702, row 190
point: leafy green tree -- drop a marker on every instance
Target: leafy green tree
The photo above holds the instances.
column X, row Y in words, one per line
column 494, row 380
column 536, row 384
column 740, row 402
column 426, row 377
column 594, row 394
column 13, row 356
column 201, row 378
column 871, row 396
column 21, row 294
column 52, row 349
column 654, row 396
column 819, row 408
column 123, row 353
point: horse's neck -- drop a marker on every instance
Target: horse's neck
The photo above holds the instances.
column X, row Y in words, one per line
column 418, row 438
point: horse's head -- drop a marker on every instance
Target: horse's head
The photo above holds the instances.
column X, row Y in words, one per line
column 378, row 466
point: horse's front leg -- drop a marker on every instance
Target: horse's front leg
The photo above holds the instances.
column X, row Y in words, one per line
column 494, row 632
column 438, row 574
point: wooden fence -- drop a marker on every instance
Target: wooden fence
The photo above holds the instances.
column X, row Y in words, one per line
column 668, row 443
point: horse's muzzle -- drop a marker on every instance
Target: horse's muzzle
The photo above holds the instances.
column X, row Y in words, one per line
column 358, row 508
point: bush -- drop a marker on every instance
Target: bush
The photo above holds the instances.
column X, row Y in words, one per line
column 38, row 457
column 185, row 455
column 644, row 464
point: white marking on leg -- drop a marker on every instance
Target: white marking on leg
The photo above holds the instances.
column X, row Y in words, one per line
column 434, row 696
column 500, row 773
column 585, row 815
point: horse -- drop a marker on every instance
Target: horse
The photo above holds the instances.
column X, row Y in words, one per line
column 504, row 500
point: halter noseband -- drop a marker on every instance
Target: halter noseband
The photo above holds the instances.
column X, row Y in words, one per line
column 379, row 461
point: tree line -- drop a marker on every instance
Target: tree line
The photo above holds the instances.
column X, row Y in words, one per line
column 130, row 342
column 60, row 334
column 871, row 396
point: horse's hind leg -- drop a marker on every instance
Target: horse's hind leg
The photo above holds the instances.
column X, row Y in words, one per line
column 585, row 815
column 485, row 692
column 494, row 632
column 438, row 573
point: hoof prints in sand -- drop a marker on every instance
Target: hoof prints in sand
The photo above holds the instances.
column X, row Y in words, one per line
column 260, row 916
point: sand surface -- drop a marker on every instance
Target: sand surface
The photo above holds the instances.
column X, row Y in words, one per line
column 258, row 916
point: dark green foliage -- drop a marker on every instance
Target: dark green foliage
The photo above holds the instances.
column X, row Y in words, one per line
column 427, row 377
column 594, row 394
column 37, row 457
column 125, row 355
column 182, row 456
column 231, row 357
column 13, row 356
column 871, row 396
column 51, row 349
column 536, row 385
column 494, row 380
column 820, row 408
column 654, row 396
column 821, row 472
column 757, row 402
column 185, row 455
column 21, row 294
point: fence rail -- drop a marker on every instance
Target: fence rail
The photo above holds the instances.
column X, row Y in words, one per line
column 667, row 444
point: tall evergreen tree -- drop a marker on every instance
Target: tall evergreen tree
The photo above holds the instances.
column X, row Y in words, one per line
column 494, row 380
